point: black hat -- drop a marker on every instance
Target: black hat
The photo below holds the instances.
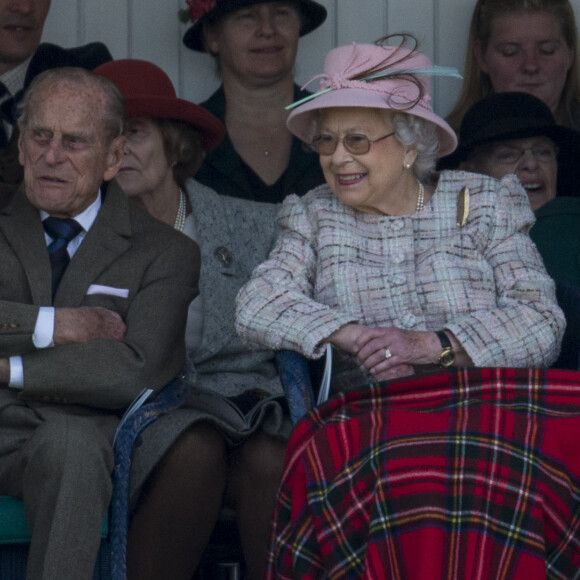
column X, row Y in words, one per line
column 202, row 11
column 504, row 116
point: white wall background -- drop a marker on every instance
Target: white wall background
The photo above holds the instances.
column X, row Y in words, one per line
column 150, row 29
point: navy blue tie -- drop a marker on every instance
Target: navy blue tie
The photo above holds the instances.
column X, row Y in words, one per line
column 62, row 231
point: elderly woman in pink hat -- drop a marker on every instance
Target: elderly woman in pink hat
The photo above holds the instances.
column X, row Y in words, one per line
column 399, row 268
column 404, row 270
column 195, row 460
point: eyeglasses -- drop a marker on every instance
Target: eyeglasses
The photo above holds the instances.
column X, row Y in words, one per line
column 355, row 143
column 512, row 155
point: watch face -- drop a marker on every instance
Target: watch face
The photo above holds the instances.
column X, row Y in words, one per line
column 447, row 358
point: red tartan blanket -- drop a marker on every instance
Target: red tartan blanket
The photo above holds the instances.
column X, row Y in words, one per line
column 471, row 474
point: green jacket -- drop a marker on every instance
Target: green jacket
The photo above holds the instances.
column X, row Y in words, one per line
column 556, row 233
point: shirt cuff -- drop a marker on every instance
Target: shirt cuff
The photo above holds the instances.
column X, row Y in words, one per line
column 16, row 373
column 44, row 328
column 42, row 338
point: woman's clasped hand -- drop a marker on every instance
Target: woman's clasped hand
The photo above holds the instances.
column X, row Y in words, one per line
column 387, row 353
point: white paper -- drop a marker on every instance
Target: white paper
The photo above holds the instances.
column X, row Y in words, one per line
column 325, row 383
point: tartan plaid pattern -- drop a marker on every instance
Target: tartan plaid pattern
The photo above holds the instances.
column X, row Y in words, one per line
column 469, row 474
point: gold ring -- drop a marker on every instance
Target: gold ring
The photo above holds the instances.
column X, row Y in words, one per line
column 388, row 353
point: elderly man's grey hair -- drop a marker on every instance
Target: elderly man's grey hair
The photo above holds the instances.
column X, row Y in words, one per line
column 113, row 110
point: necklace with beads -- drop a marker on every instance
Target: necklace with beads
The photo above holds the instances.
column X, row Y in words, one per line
column 181, row 212
column 420, row 197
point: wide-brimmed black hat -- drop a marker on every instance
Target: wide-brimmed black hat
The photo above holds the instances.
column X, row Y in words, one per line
column 202, row 11
column 504, row 116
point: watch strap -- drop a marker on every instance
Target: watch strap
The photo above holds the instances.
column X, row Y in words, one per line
column 443, row 339
column 447, row 356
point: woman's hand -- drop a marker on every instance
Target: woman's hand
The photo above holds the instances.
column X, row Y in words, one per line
column 391, row 352
column 368, row 346
column 346, row 337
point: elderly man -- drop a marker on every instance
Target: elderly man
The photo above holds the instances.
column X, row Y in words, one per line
column 21, row 59
column 85, row 324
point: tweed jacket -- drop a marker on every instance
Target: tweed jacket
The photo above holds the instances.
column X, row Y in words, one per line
column 485, row 281
column 126, row 249
column 234, row 236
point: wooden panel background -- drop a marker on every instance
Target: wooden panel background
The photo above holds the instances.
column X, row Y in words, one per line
column 149, row 29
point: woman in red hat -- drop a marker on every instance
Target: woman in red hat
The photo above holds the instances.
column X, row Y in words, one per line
column 254, row 43
column 193, row 461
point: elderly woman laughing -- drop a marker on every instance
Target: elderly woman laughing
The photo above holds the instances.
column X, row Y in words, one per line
column 398, row 267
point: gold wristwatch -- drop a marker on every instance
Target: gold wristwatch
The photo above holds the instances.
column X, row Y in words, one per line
column 447, row 356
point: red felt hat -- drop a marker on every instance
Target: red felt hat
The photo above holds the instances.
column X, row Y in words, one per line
column 149, row 92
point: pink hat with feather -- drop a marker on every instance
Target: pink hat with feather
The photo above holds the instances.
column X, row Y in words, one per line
column 375, row 76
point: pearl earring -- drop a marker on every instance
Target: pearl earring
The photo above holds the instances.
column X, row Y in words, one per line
column 407, row 165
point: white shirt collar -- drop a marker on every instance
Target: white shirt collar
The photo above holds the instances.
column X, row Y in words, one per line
column 87, row 217
column 14, row 79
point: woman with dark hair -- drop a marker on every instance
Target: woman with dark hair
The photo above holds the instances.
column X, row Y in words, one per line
column 254, row 43
column 191, row 462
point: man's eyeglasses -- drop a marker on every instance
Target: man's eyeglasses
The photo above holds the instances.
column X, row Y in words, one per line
column 355, row 143
column 512, row 155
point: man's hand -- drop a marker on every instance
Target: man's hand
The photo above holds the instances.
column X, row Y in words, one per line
column 86, row 323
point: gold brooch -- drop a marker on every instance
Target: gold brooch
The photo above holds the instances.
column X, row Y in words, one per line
column 463, row 206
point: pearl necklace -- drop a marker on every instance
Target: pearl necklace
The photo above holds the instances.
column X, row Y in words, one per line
column 181, row 212
column 420, row 197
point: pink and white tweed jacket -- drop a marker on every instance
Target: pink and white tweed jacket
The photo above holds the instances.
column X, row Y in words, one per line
column 485, row 281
